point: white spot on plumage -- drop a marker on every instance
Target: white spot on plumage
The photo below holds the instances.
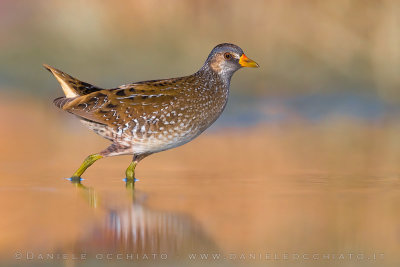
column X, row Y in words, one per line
column 119, row 133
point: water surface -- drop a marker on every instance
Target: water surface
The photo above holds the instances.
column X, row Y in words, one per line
column 277, row 195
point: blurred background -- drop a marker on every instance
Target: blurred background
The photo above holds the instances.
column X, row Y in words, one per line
column 304, row 158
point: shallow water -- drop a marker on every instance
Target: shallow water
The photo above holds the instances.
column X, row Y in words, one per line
column 179, row 215
column 289, row 195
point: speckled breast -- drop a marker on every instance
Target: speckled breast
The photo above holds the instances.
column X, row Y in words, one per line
column 175, row 124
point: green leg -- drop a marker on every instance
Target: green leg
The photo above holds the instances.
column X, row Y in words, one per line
column 86, row 164
column 130, row 171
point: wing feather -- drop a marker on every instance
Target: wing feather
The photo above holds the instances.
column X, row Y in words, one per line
column 114, row 107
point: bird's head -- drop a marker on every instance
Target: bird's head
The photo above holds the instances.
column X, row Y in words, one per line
column 226, row 58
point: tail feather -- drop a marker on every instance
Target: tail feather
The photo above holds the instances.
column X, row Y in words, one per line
column 71, row 86
column 61, row 101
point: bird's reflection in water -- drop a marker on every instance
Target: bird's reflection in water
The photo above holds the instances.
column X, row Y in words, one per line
column 135, row 228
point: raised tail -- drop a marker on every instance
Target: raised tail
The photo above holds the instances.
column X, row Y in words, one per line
column 72, row 87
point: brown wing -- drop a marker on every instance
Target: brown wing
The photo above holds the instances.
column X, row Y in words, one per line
column 115, row 107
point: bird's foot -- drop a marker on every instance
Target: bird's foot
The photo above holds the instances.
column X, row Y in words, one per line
column 132, row 180
column 75, row 179
column 130, row 183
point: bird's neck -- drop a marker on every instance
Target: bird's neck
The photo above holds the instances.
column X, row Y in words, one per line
column 215, row 76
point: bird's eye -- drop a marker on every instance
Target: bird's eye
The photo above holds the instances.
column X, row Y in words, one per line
column 227, row 55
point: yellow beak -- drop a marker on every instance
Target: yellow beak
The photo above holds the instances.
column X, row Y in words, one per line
column 247, row 62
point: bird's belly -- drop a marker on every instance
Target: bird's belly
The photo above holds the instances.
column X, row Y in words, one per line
column 159, row 142
column 167, row 138
column 146, row 142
